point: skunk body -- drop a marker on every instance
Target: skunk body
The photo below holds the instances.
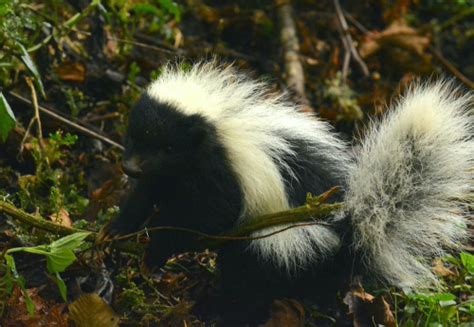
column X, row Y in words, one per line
column 212, row 148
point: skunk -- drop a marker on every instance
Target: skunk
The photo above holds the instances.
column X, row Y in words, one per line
column 211, row 148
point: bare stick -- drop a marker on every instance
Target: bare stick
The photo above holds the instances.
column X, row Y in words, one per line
column 291, row 47
column 70, row 124
column 450, row 67
column 356, row 23
column 25, row 136
column 348, row 38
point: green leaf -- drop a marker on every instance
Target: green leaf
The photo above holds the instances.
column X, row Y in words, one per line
column 146, row 8
column 25, row 57
column 7, row 118
column 62, row 286
column 172, row 8
column 59, row 259
column 11, row 265
column 468, row 261
column 12, row 274
column 61, row 253
column 70, row 242
column 30, row 307
column 447, row 303
column 444, row 296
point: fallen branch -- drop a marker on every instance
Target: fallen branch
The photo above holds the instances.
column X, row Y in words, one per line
column 307, row 215
column 46, row 225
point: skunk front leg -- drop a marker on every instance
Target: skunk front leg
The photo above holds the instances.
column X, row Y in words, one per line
column 133, row 212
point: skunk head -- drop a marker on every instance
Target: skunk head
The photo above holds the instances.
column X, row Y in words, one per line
column 161, row 141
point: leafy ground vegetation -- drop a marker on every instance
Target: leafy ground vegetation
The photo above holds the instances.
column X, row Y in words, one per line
column 69, row 72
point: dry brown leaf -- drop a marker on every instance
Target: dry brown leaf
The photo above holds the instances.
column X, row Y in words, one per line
column 111, row 48
column 46, row 313
column 286, row 312
column 440, row 270
column 90, row 310
column 72, row 72
column 107, row 195
column 367, row 310
column 61, row 218
column 398, row 34
column 205, row 12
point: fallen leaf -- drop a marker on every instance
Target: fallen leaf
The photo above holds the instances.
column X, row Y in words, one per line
column 90, row 310
column 440, row 269
column 111, row 48
column 61, row 218
column 286, row 312
column 47, row 313
column 397, row 34
column 367, row 310
column 72, row 72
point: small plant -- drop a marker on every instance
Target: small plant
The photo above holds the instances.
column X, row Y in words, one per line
column 7, row 118
column 339, row 93
column 59, row 256
column 51, row 186
column 453, row 307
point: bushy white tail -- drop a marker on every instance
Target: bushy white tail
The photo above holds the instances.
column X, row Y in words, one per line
column 408, row 190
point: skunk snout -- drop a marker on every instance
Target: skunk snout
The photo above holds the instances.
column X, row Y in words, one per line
column 132, row 167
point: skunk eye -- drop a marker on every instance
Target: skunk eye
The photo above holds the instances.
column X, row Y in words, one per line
column 169, row 149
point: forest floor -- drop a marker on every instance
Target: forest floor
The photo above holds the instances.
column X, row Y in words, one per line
column 70, row 72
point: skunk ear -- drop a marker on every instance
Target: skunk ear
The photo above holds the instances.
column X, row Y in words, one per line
column 198, row 130
column 198, row 134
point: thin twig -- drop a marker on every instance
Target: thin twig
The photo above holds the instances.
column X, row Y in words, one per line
column 77, row 127
column 142, row 45
column 25, row 136
column 347, row 54
column 109, row 116
column 356, row 23
column 450, row 67
column 35, row 118
column 347, row 39
column 203, row 235
column 35, row 106
column 164, row 49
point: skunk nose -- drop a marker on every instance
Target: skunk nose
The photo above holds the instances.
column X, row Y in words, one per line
column 131, row 167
